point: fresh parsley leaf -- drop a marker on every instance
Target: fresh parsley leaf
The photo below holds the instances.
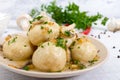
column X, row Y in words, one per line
column 67, row 33
column 36, row 18
column 76, row 62
column 34, row 13
column 61, row 43
column 48, row 43
column 49, row 31
column 78, row 47
column 104, row 21
column 73, row 43
column 26, row 68
column 42, row 46
column 66, row 41
column 45, row 22
column 30, row 22
column 12, row 41
column 92, row 61
column 82, row 66
column 95, row 23
column 25, row 45
column 42, row 27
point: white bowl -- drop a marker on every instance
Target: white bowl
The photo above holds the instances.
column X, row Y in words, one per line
column 103, row 56
column 4, row 19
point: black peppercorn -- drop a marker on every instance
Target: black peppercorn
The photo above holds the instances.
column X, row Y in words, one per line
column 113, row 47
column 118, row 56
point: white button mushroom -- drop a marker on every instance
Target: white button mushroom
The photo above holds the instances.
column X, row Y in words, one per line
column 67, row 28
column 18, row 48
column 83, row 50
column 69, row 41
column 68, row 33
column 23, row 21
column 113, row 24
column 45, row 17
column 49, row 57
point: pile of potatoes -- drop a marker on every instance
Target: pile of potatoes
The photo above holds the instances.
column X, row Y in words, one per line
column 49, row 45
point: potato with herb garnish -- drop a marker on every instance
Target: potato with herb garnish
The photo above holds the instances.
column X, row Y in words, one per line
column 18, row 48
column 83, row 49
column 49, row 57
column 43, row 32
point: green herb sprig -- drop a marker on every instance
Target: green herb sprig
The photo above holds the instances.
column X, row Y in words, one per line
column 61, row 43
column 104, row 21
column 36, row 18
column 70, row 14
column 67, row 33
column 49, row 31
column 34, row 13
column 12, row 41
column 26, row 68
column 77, row 62
column 92, row 61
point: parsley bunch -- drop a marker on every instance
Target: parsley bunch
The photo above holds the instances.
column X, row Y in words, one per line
column 70, row 14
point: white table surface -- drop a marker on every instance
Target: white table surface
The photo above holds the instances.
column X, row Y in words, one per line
column 109, row 71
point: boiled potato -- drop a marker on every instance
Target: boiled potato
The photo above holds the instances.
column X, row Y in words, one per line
column 49, row 58
column 83, row 50
column 43, row 32
column 18, row 48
